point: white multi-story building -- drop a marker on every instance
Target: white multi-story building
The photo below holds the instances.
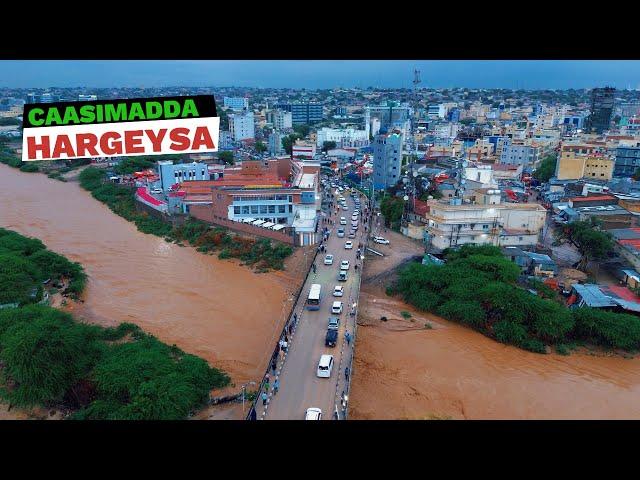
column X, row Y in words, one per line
column 520, row 153
column 280, row 119
column 303, row 150
column 242, row 126
column 483, row 221
column 236, row 103
column 344, row 137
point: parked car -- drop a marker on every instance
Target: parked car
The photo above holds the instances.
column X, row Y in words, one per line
column 328, row 259
column 334, row 323
column 338, row 291
column 336, row 308
column 381, row 240
column 331, row 338
column 313, row 413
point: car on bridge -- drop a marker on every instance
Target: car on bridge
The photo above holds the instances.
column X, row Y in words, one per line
column 328, row 259
column 348, row 245
column 336, row 308
column 344, row 265
column 313, row 413
column 343, row 221
column 331, row 338
column 325, row 365
column 338, row 291
column 334, row 323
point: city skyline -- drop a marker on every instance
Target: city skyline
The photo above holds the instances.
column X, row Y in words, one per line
column 321, row 74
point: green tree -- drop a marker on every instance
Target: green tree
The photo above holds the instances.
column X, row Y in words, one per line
column 226, row 157
column 326, row 146
column 288, row 141
column 45, row 357
column 392, row 208
column 261, row 147
column 547, row 169
column 591, row 241
column 302, row 130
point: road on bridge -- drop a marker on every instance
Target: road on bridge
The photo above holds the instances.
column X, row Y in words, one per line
column 300, row 387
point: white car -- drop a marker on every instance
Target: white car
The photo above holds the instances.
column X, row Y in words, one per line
column 344, row 207
column 313, row 413
column 328, row 259
column 354, row 217
column 338, row 291
column 343, row 221
column 157, row 191
column 336, row 308
column 381, row 240
column 344, row 265
column 348, row 245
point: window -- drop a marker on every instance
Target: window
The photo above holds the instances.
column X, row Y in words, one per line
column 272, row 208
column 282, row 209
column 254, row 209
column 485, row 226
column 236, row 210
column 245, row 210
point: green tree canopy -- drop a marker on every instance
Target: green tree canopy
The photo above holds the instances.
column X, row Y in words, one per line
column 547, row 169
column 590, row 240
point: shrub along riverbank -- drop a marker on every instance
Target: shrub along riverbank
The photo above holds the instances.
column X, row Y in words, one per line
column 262, row 254
column 477, row 287
column 48, row 359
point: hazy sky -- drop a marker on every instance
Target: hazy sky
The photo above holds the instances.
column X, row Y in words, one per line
column 528, row 74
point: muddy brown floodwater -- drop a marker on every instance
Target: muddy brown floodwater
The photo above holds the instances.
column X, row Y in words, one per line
column 404, row 371
column 216, row 309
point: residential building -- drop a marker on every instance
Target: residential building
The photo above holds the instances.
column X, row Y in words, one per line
column 602, row 100
column 520, row 153
column 390, row 116
column 343, row 137
column 387, row 159
column 42, row 98
column 242, row 126
column 302, row 113
column 171, row 174
column 484, row 221
column 627, row 161
column 280, row 119
column 236, row 103
column 573, row 164
column 302, row 149
column 225, row 141
column 275, row 143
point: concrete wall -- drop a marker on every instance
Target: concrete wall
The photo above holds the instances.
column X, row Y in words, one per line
column 206, row 214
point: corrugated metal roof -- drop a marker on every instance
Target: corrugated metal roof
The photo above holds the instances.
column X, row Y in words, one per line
column 593, row 296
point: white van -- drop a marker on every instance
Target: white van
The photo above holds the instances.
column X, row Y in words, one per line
column 325, row 366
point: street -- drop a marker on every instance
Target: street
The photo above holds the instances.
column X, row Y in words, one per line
column 300, row 388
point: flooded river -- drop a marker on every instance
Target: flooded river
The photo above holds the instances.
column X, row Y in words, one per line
column 216, row 309
column 404, row 371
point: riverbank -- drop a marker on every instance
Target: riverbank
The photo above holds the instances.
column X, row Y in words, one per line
column 404, row 371
column 212, row 308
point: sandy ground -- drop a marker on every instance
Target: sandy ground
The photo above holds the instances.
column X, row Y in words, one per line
column 406, row 371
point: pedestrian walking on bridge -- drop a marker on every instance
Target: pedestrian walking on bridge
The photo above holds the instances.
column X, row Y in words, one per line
column 264, row 398
column 276, row 386
column 346, row 373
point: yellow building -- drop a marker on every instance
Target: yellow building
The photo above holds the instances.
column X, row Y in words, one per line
column 573, row 166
